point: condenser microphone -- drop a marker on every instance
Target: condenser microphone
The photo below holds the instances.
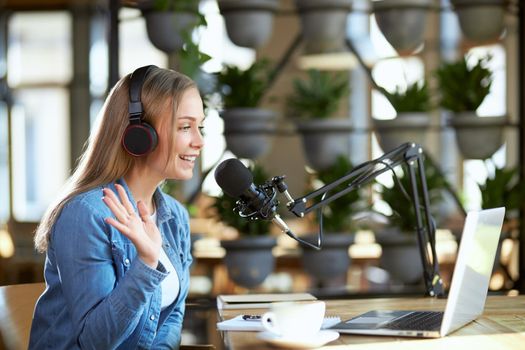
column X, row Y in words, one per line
column 236, row 181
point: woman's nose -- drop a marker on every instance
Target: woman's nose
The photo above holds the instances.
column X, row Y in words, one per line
column 197, row 139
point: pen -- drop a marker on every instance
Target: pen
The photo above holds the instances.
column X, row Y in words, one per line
column 251, row 317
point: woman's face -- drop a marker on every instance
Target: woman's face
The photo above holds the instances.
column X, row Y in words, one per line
column 187, row 139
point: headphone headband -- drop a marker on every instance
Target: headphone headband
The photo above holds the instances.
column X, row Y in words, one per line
column 136, row 81
column 139, row 138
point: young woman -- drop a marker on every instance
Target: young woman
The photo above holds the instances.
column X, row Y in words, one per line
column 118, row 248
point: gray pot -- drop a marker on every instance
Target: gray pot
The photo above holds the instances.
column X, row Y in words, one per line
column 400, row 255
column 323, row 24
column 412, row 14
column 248, row 131
column 249, row 23
column 480, row 20
column 406, row 127
column 249, row 260
column 165, row 28
column 478, row 137
column 332, row 261
column 324, row 140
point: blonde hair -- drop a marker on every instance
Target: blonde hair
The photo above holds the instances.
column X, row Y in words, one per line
column 104, row 160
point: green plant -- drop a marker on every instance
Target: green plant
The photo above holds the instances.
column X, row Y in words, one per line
column 503, row 189
column 225, row 204
column 318, row 96
column 244, row 88
column 190, row 57
column 464, row 88
column 403, row 215
column 337, row 216
column 176, row 5
column 415, row 98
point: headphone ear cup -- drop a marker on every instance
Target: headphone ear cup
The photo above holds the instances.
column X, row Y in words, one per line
column 139, row 139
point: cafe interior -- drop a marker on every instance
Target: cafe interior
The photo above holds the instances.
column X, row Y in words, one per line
column 380, row 123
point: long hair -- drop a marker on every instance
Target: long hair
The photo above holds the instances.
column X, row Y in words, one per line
column 104, row 160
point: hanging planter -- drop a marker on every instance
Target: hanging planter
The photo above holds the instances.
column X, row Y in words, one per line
column 249, row 260
column 315, row 100
column 331, row 263
column 167, row 20
column 248, row 128
column 323, row 24
column 249, row 23
column 481, row 20
column 412, row 105
column 400, row 255
column 406, row 127
column 463, row 89
column 389, row 14
column 248, row 131
column 478, row 137
column 324, row 140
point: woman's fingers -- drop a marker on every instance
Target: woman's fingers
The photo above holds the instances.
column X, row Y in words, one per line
column 119, row 226
column 116, row 208
column 143, row 211
column 124, row 199
column 151, row 228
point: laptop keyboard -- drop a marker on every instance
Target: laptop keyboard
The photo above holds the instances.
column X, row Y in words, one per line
column 418, row 321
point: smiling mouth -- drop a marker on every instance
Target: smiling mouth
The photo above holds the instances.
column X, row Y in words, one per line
column 190, row 159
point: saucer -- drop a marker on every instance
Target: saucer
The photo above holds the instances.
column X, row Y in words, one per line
column 305, row 342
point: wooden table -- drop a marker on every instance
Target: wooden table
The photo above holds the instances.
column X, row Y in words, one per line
column 502, row 326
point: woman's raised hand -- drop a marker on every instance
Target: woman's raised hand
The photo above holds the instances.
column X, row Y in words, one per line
column 139, row 228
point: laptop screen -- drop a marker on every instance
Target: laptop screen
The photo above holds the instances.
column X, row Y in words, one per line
column 473, row 269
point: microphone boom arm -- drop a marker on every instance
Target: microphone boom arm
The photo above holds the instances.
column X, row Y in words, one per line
column 410, row 154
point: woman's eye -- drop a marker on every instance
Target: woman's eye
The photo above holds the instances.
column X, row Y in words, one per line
column 185, row 128
column 201, row 130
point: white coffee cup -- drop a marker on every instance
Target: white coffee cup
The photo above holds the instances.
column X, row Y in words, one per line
column 294, row 319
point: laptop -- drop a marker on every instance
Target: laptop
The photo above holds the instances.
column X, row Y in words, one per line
column 468, row 289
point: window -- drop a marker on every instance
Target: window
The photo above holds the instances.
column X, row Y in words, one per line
column 39, row 67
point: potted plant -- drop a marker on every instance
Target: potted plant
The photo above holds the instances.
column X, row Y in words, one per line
column 247, row 127
column 503, row 188
column 248, row 22
column 167, row 20
column 400, row 252
column 249, row 259
column 463, row 88
column 473, row 12
column 313, row 103
column 330, row 264
column 389, row 14
column 412, row 106
column 323, row 24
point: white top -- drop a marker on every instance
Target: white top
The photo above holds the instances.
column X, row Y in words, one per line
column 170, row 285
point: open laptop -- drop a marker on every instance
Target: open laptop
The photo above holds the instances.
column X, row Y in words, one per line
column 468, row 290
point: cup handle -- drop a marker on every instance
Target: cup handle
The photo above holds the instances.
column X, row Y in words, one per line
column 268, row 321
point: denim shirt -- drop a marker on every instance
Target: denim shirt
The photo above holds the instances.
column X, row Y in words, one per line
column 99, row 294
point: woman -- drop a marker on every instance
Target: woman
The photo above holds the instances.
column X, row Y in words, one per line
column 117, row 248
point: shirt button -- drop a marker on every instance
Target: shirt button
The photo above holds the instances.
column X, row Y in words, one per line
column 152, row 317
column 126, row 262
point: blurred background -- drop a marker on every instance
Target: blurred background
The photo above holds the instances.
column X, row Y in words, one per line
column 308, row 89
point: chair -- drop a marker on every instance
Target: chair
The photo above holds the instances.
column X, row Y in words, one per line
column 17, row 303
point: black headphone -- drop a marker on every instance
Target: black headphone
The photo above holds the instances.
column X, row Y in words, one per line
column 139, row 138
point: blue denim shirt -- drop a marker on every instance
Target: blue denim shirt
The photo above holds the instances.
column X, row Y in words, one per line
column 99, row 294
